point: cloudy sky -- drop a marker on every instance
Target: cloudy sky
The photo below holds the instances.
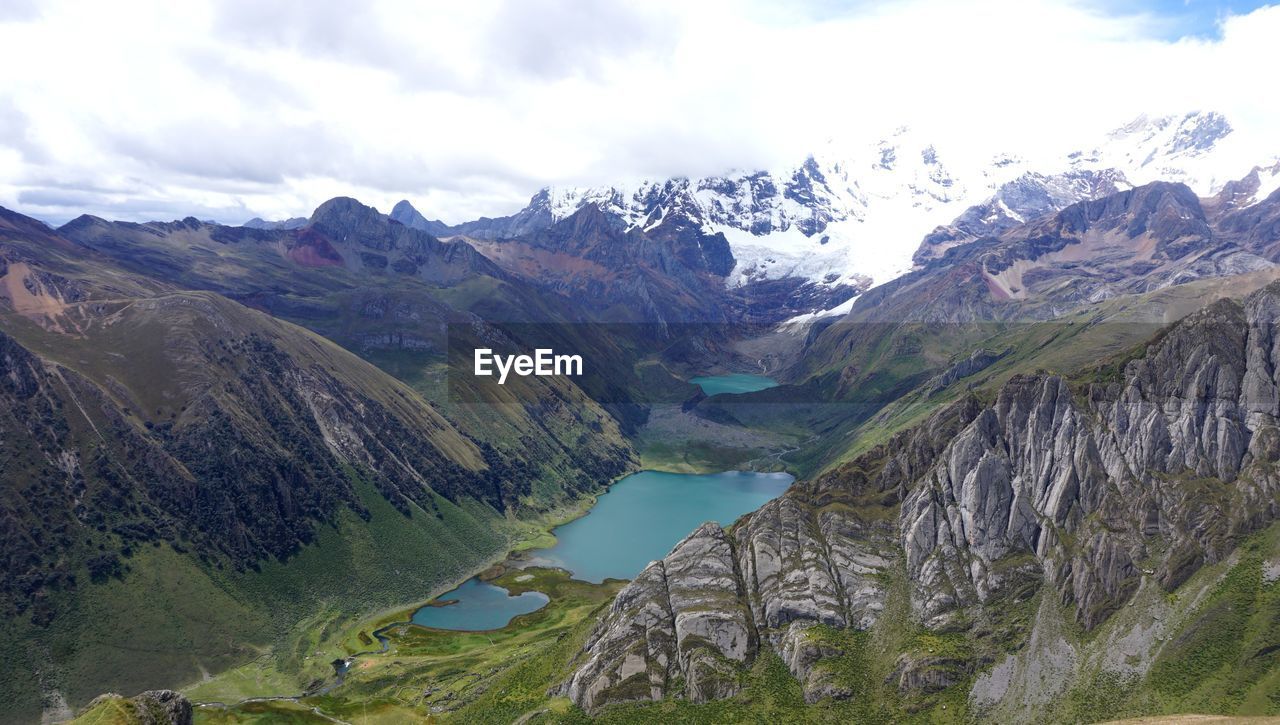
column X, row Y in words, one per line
column 227, row 110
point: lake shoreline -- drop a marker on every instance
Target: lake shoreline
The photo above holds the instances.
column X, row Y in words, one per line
column 629, row 527
column 559, row 516
column 382, row 619
column 538, row 534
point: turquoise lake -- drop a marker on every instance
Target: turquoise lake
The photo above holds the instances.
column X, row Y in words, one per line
column 735, row 383
column 647, row 513
column 635, row 522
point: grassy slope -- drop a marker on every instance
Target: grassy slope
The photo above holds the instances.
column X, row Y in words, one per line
column 1221, row 657
column 515, row 426
column 142, row 342
column 505, row 675
column 171, row 619
column 366, row 311
column 494, row 676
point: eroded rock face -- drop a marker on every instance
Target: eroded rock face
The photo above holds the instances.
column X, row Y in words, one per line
column 1051, row 483
column 631, row 656
column 679, row 628
column 1043, row 465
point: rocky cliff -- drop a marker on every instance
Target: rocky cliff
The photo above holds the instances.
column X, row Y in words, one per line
column 1085, row 489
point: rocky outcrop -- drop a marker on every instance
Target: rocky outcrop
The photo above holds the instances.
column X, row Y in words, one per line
column 925, row 674
column 1078, row 482
column 679, row 628
column 978, row 360
column 153, row 707
column 163, row 707
column 1077, row 487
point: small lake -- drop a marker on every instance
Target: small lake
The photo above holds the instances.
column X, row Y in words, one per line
column 732, row 384
column 639, row 519
column 479, row 606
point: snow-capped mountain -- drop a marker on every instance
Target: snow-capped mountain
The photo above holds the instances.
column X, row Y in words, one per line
column 1196, row 149
column 816, row 220
column 852, row 213
column 1027, row 197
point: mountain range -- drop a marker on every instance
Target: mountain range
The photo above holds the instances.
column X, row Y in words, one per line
column 1032, row 410
column 156, row 430
column 845, row 215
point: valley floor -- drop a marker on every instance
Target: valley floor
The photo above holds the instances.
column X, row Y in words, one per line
column 509, row 675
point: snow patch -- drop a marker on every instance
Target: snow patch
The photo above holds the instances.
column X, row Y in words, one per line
column 843, row 308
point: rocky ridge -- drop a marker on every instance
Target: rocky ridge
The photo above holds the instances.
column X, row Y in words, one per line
column 1086, row 489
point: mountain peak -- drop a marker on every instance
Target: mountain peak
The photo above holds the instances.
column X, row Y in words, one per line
column 1155, row 142
column 588, row 221
column 1200, row 131
column 854, row 208
column 405, row 213
column 342, row 205
column 343, row 215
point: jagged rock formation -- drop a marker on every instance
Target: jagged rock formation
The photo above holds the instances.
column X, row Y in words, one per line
column 153, row 707
column 682, row 618
column 978, row 360
column 1082, row 488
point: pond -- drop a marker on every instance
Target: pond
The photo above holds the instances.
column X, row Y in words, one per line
column 479, row 606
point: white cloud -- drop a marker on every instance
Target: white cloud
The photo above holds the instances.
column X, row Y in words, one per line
column 246, row 108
